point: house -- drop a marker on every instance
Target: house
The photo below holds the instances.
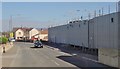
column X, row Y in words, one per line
column 21, row 33
column 30, row 34
column 44, row 35
column 5, row 34
column 33, row 32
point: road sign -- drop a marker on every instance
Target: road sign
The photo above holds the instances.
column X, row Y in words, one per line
column 11, row 35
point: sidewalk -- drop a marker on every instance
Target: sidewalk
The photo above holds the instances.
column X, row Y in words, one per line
column 80, row 59
column 7, row 47
column 73, row 51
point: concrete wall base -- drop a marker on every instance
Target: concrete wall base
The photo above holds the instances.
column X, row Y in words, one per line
column 109, row 56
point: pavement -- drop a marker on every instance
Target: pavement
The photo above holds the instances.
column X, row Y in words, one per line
column 8, row 46
column 23, row 55
column 78, row 58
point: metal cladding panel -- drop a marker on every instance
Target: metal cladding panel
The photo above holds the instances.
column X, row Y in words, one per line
column 119, row 29
column 52, row 34
column 106, row 31
column 91, row 34
column 77, row 34
column 74, row 34
column 58, row 34
column 62, row 34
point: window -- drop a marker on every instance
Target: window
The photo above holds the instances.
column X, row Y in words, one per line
column 70, row 22
column 112, row 20
column 19, row 33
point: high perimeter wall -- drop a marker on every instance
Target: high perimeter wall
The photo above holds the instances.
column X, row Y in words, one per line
column 106, row 32
column 72, row 33
column 102, row 33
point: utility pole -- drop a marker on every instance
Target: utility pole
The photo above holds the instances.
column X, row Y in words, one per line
column 99, row 12
column 116, row 6
column 10, row 23
column 95, row 13
column 109, row 9
column 102, row 11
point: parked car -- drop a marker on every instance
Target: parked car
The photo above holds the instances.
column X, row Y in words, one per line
column 12, row 39
column 38, row 44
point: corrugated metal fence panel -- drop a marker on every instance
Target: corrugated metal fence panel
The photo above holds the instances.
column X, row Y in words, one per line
column 91, row 34
column 78, row 34
column 105, row 31
column 102, row 32
column 119, row 30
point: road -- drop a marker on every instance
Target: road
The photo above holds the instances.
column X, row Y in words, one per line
column 22, row 55
column 50, row 57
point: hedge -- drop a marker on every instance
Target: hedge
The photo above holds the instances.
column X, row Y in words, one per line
column 3, row 40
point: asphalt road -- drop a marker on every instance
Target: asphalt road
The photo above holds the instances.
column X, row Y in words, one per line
column 22, row 55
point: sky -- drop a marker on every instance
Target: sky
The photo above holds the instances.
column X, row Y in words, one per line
column 45, row 14
column 59, row 0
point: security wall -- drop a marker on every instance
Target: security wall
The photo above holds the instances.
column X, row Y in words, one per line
column 73, row 33
column 105, row 31
column 119, row 30
column 99, row 32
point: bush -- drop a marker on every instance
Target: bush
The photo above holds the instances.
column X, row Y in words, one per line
column 0, row 40
column 3, row 40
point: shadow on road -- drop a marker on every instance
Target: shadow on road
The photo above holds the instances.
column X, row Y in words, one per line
column 84, row 64
column 35, row 47
column 78, row 60
column 39, row 68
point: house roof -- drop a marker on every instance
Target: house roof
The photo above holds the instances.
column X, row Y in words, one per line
column 44, row 31
column 35, row 35
column 24, row 29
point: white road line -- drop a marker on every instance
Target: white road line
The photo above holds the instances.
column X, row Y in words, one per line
column 90, row 59
column 55, row 62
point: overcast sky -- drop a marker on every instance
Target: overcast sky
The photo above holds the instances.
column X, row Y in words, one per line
column 45, row 14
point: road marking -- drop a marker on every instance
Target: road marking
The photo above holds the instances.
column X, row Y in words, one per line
column 90, row 59
column 55, row 62
column 63, row 53
column 74, row 54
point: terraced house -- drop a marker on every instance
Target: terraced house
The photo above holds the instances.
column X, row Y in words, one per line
column 29, row 34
